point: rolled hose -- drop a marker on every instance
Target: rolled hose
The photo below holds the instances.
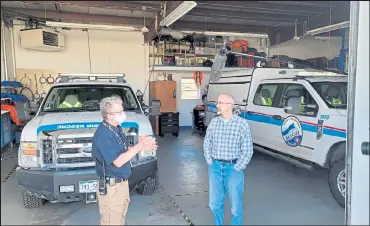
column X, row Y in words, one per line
column 21, row 92
column 42, row 80
column 50, row 80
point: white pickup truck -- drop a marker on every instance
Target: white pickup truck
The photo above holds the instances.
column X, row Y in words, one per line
column 55, row 161
column 295, row 115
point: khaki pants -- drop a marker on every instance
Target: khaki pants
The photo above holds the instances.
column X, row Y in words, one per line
column 113, row 206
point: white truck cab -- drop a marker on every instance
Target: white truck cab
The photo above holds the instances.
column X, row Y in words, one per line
column 295, row 115
column 55, row 161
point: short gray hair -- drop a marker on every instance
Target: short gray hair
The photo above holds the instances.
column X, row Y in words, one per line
column 107, row 103
column 229, row 96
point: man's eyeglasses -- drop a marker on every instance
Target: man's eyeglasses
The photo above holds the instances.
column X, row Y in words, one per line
column 112, row 113
column 219, row 102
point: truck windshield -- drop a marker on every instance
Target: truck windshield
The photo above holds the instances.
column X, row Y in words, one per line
column 333, row 93
column 86, row 98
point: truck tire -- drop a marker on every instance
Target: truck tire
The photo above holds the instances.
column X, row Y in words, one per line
column 337, row 180
column 149, row 186
column 31, row 201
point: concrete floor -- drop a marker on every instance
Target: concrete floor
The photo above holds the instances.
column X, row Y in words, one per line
column 275, row 193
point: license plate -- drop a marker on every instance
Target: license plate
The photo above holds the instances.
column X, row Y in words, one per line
column 88, row 186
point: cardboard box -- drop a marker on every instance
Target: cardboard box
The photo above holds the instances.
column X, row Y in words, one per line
column 273, row 64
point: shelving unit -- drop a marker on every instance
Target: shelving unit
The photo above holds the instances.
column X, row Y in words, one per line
column 162, row 68
column 183, row 55
column 186, row 59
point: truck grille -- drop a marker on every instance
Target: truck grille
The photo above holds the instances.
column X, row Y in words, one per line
column 73, row 152
column 74, row 160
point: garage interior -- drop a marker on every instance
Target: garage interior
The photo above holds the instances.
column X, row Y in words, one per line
column 133, row 37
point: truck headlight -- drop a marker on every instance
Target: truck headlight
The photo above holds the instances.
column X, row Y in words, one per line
column 28, row 154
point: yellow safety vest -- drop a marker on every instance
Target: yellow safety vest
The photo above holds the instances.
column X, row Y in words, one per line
column 68, row 105
column 266, row 101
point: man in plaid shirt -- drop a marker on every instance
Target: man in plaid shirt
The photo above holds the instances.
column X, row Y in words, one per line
column 228, row 148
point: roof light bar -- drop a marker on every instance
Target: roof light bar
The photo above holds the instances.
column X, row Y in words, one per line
column 89, row 26
column 313, row 74
column 95, row 74
column 332, row 27
column 176, row 14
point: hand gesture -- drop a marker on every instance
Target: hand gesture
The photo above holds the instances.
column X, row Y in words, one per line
column 148, row 143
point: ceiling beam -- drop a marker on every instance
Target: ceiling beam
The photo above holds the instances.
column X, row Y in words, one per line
column 184, row 25
column 79, row 17
column 257, row 7
column 123, row 5
column 313, row 4
column 218, row 13
column 339, row 14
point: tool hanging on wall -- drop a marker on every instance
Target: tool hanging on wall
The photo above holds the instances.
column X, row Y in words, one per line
column 25, row 77
column 36, row 94
column 31, row 93
column 42, row 79
column 198, row 77
column 50, row 80
column 43, row 94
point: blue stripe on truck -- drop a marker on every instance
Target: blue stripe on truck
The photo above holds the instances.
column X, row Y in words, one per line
column 270, row 120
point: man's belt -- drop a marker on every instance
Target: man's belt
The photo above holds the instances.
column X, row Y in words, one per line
column 116, row 180
column 227, row 161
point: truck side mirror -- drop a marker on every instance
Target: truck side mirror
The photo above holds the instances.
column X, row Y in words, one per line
column 140, row 96
column 292, row 105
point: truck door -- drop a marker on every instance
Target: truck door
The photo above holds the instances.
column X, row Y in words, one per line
column 298, row 130
column 260, row 110
column 357, row 197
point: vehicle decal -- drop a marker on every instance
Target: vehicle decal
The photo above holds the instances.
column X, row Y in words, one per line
column 84, row 125
column 306, row 126
column 324, row 117
column 291, row 131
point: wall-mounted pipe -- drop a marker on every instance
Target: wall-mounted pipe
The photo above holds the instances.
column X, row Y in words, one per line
column 13, row 55
column 4, row 50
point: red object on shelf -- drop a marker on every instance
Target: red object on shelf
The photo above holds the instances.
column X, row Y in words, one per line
column 240, row 43
column 250, row 60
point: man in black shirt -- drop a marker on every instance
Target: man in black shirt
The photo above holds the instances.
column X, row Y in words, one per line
column 112, row 156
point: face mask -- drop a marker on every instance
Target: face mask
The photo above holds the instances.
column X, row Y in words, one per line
column 120, row 118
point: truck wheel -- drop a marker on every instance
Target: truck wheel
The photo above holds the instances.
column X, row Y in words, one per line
column 149, row 186
column 31, row 201
column 337, row 181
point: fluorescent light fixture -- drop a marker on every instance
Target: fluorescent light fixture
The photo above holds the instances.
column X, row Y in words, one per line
column 176, row 14
column 235, row 34
column 332, row 27
column 89, row 26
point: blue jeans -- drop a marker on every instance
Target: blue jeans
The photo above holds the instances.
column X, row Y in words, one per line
column 224, row 179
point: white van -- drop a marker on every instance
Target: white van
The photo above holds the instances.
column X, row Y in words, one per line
column 55, row 161
column 295, row 115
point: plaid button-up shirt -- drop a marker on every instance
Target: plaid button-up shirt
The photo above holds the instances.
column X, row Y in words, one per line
column 228, row 140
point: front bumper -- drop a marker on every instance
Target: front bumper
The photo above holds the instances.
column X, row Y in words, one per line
column 45, row 184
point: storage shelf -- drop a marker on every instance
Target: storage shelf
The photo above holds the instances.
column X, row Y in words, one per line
column 181, row 55
column 158, row 68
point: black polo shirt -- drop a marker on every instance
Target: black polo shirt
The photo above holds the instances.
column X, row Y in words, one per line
column 109, row 143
